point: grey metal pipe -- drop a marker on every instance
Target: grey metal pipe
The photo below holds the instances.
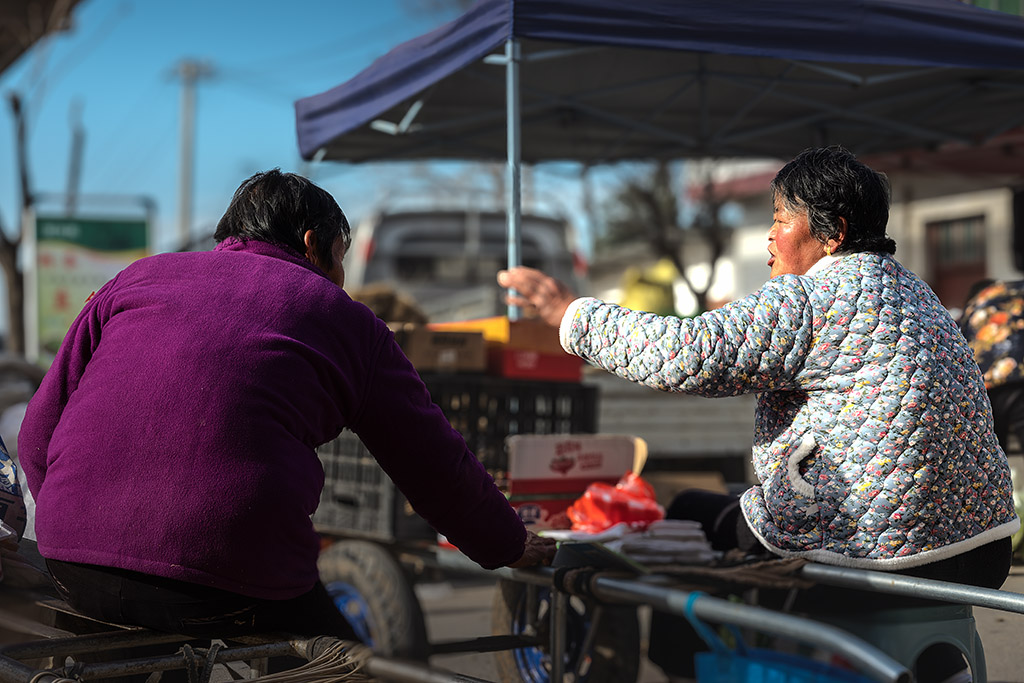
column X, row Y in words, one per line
column 145, row 665
column 13, row 671
column 559, row 611
column 641, row 591
column 76, row 645
column 596, row 614
column 513, row 189
column 868, row 659
column 385, row 669
column 536, row 576
column 898, row 584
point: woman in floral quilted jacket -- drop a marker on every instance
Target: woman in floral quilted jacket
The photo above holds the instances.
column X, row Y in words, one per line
column 873, row 441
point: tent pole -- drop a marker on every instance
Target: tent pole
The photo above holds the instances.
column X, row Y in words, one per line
column 513, row 188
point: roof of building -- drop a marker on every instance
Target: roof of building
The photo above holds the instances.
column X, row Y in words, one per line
column 24, row 22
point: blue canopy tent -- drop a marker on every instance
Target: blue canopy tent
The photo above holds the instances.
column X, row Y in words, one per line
column 598, row 81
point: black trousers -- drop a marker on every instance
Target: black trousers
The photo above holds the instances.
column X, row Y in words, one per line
column 673, row 640
column 132, row 598
column 1008, row 412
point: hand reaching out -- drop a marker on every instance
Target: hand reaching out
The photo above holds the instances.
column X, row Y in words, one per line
column 537, row 291
column 539, row 551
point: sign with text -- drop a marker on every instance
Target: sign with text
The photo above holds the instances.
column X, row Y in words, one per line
column 548, row 472
column 74, row 258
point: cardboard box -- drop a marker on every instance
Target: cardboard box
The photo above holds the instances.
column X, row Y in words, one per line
column 441, row 350
column 547, row 473
column 521, row 349
column 525, row 334
column 528, row 364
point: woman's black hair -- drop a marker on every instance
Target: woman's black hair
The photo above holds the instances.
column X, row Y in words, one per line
column 279, row 208
column 829, row 183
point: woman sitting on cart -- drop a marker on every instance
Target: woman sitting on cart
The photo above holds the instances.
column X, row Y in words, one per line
column 171, row 447
column 873, row 442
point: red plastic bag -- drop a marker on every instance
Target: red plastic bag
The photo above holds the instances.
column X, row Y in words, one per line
column 603, row 506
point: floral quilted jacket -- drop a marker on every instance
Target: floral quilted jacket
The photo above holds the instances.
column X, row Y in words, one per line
column 873, row 440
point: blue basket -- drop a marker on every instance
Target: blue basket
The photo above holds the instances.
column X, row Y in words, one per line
column 744, row 664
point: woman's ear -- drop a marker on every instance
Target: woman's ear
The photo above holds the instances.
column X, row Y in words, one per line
column 309, row 239
column 833, row 245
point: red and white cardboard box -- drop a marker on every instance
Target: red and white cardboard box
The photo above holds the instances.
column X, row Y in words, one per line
column 547, row 472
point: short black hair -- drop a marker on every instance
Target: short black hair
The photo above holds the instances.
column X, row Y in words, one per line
column 830, row 183
column 279, row 208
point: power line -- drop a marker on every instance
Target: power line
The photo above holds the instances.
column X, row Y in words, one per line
column 112, row 144
column 73, row 58
column 342, row 45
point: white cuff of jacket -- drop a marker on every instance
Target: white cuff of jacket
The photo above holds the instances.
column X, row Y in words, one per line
column 566, row 325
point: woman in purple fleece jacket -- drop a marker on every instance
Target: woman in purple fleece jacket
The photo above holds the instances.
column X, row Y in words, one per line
column 171, row 446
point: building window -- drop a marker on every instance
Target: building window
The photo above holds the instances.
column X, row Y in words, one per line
column 956, row 257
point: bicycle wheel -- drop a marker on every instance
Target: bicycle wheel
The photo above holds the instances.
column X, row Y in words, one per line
column 370, row 588
column 614, row 655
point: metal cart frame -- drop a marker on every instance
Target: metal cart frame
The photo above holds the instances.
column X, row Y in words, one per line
column 660, row 592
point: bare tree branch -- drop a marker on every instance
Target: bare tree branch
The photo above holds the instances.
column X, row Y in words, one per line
column 21, row 148
column 648, row 206
column 9, row 244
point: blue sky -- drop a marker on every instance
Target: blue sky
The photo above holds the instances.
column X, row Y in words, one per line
column 116, row 67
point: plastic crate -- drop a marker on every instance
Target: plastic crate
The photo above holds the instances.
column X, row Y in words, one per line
column 356, row 490
column 488, row 409
column 359, row 498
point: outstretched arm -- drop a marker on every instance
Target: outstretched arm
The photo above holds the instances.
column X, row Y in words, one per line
column 538, row 292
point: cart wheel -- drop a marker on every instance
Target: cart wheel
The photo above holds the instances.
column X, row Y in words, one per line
column 614, row 656
column 371, row 590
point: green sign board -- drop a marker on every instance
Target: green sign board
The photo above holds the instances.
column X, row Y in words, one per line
column 74, row 258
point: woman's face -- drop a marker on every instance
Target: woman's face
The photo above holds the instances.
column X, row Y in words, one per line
column 793, row 250
column 336, row 272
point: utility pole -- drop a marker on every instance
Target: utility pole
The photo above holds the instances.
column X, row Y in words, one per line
column 75, row 163
column 190, row 71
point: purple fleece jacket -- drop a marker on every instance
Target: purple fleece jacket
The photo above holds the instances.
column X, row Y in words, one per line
column 175, row 432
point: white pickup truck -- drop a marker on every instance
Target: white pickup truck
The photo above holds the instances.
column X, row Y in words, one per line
column 447, row 261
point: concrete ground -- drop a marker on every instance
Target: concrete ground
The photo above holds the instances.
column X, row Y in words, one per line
column 1002, row 635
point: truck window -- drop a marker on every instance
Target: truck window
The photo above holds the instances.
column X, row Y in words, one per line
column 446, row 261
